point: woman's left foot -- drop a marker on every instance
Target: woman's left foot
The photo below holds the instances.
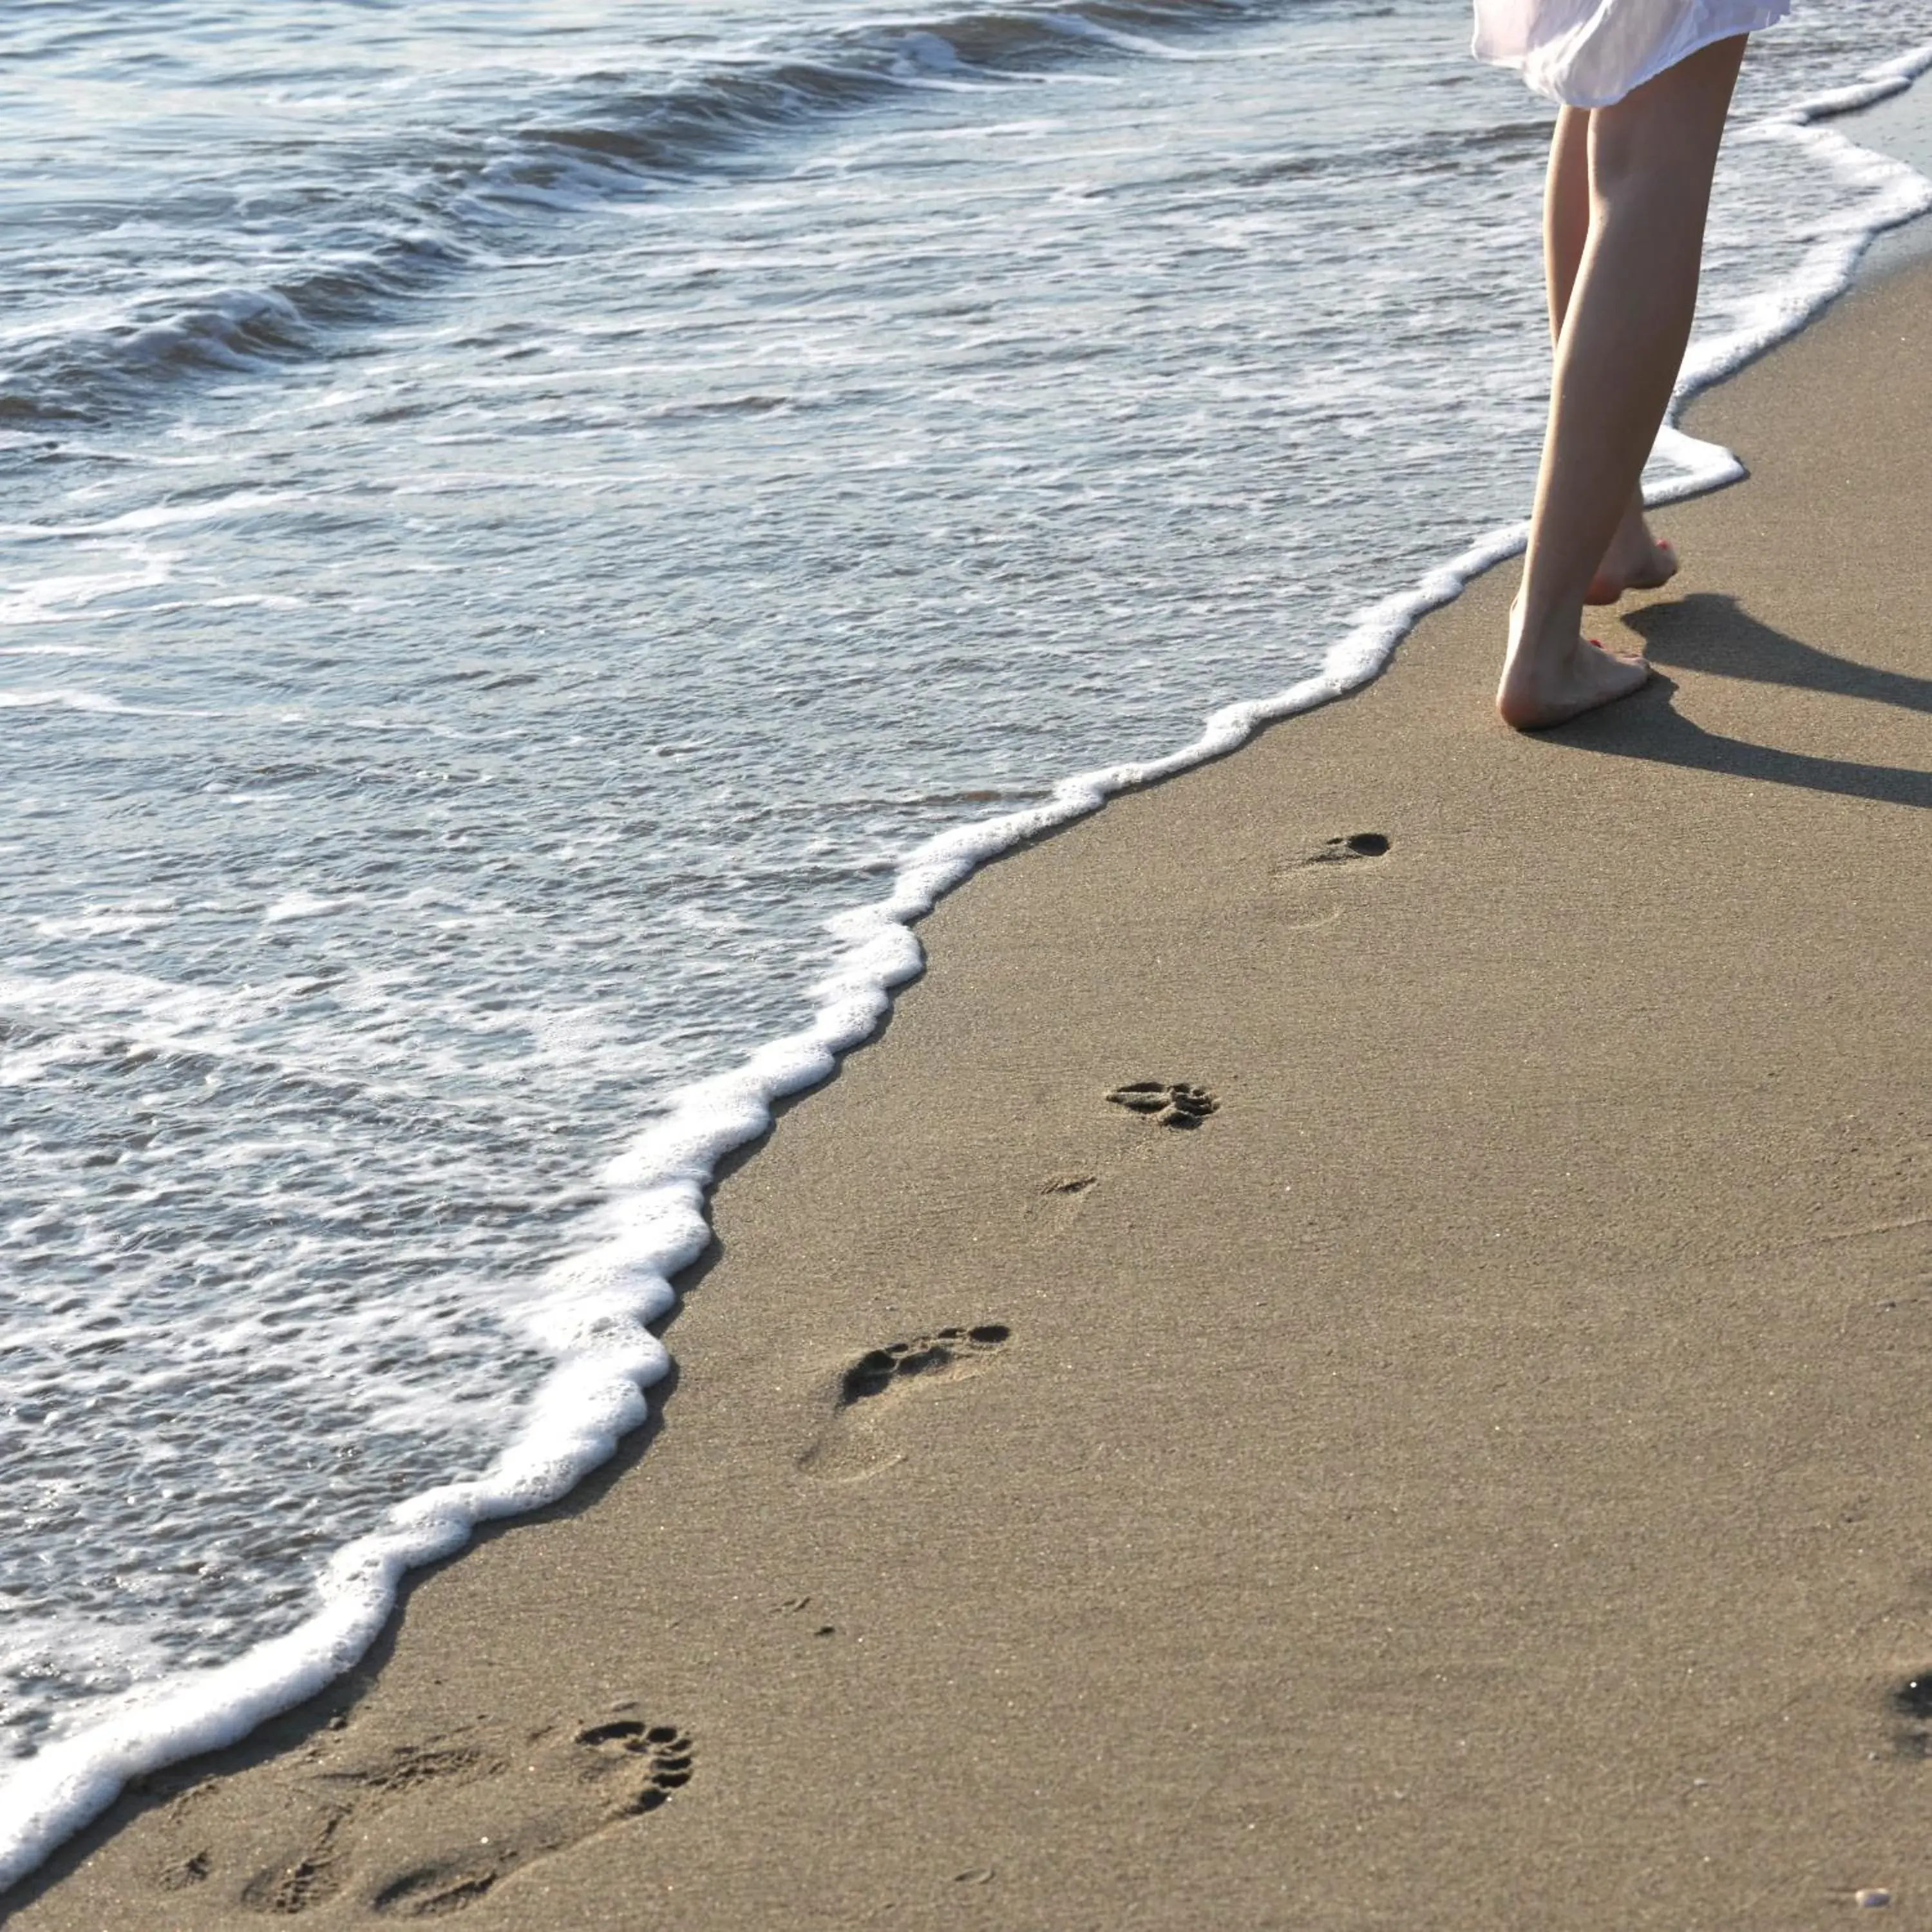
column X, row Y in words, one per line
column 1550, row 678
column 1636, row 560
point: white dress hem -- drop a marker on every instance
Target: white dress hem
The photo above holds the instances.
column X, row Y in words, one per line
column 1592, row 53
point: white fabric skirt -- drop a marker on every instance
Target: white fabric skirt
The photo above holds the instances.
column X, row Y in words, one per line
column 1590, row 53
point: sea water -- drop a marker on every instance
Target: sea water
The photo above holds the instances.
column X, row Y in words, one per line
column 534, row 541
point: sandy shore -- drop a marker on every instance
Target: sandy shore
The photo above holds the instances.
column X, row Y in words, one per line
column 1476, row 1476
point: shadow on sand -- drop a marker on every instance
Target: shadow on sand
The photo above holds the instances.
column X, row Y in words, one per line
column 1712, row 635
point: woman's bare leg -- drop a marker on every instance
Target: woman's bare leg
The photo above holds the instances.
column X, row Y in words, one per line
column 1566, row 211
column 1635, row 560
column 1622, row 338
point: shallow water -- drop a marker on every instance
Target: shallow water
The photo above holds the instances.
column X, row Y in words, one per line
column 510, row 530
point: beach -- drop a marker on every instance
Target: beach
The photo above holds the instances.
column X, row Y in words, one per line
column 466, row 754
column 1461, row 1463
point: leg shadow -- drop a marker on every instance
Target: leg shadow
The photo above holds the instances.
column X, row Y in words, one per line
column 1709, row 633
column 1645, row 726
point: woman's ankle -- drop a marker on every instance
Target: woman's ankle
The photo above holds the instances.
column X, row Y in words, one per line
column 1543, row 631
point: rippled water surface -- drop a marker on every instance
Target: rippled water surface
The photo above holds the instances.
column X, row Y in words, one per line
column 515, row 517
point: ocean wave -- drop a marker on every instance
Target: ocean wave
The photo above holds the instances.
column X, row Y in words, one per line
column 414, row 211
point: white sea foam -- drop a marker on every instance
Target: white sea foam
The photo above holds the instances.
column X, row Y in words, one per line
column 100, row 703
column 301, row 904
column 77, row 1012
column 56, row 699
column 53, row 600
column 590, row 1313
column 153, row 517
column 99, row 922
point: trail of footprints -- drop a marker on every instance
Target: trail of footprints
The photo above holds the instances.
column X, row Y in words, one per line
column 494, row 1804
column 471, row 1792
column 500, row 1804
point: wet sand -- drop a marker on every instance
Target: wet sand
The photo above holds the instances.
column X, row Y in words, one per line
column 1475, row 1476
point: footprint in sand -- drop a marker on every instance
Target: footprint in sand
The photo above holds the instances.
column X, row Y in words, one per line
column 1061, row 1200
column 1170, row 1103
column 1348, row 846
column 596, row 1777
column 310, row 1877
column 1313, row 897
column 869, row 1393
column 1069, row 1187
column 423, row 1831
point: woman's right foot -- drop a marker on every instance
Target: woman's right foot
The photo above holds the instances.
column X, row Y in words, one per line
column 1546, row 685
column 1636, row 560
